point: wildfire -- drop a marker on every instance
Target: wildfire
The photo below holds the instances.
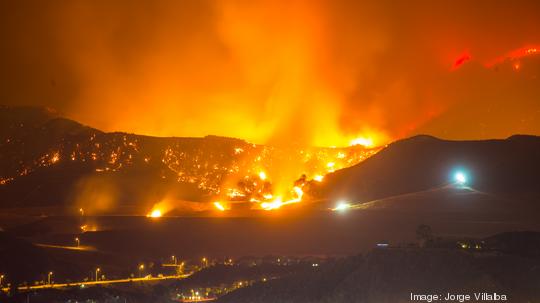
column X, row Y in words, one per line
column 318, row 178
column 86, row 227
column 55, row 157
column 267, row 192
column 278, row 202
column 366, row 142
column 514, row 55
column 238, row 150
column 156, row 213
column 219, row 206
column 269, row 177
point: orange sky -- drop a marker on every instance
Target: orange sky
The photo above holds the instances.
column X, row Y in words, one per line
column 311, row 72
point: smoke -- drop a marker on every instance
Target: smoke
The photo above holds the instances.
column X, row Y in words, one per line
column 306, row 72
column 95, row 195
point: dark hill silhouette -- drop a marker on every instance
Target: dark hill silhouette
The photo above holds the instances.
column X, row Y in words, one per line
column 507, row 168
column 25, row 259
column 520, row 243
column 390, row 275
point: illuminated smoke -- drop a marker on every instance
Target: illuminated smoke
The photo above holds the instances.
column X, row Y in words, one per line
column 281, row 72
column 95, row 195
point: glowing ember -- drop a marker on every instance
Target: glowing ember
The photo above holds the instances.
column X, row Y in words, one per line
column 55, row 157
column 318, row 178
column 461, row 60
column 238, row 150
column 262, row 175
column 514, row 55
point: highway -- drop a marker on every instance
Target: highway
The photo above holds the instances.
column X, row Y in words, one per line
column 99, row 282
column 80, row 247
column 199, row 300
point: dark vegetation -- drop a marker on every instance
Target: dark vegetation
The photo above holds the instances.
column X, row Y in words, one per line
column 390, row 274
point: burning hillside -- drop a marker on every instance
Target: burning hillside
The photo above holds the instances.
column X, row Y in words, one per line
column 223, row 170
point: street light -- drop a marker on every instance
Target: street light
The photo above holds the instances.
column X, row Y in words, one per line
column 97, row 271
column 180, row 269
column 81, row 211
column 49, row 277
column 78, row 241
column 173, row 257
column 1, row 279
column 141, row 268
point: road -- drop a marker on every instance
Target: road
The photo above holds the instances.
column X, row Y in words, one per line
column 89, row 283
column 199, row 300
column 80, row 247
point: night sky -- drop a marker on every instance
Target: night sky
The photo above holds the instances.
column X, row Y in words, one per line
column 312, row 72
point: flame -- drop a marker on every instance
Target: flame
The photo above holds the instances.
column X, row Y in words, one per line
column 156, row 213
column 278, row 202
column 219, row 206
column 88, row 227
column 299, row 192
column 318, row 178
column 515, row 54
column 269, row 184
column 55, row 157
column 366, row 142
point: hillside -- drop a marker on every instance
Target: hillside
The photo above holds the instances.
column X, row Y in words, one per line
column 390, row 275
column 50, row 161
column 506, row 168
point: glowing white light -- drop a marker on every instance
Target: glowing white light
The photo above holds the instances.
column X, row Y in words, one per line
column 460, row 178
